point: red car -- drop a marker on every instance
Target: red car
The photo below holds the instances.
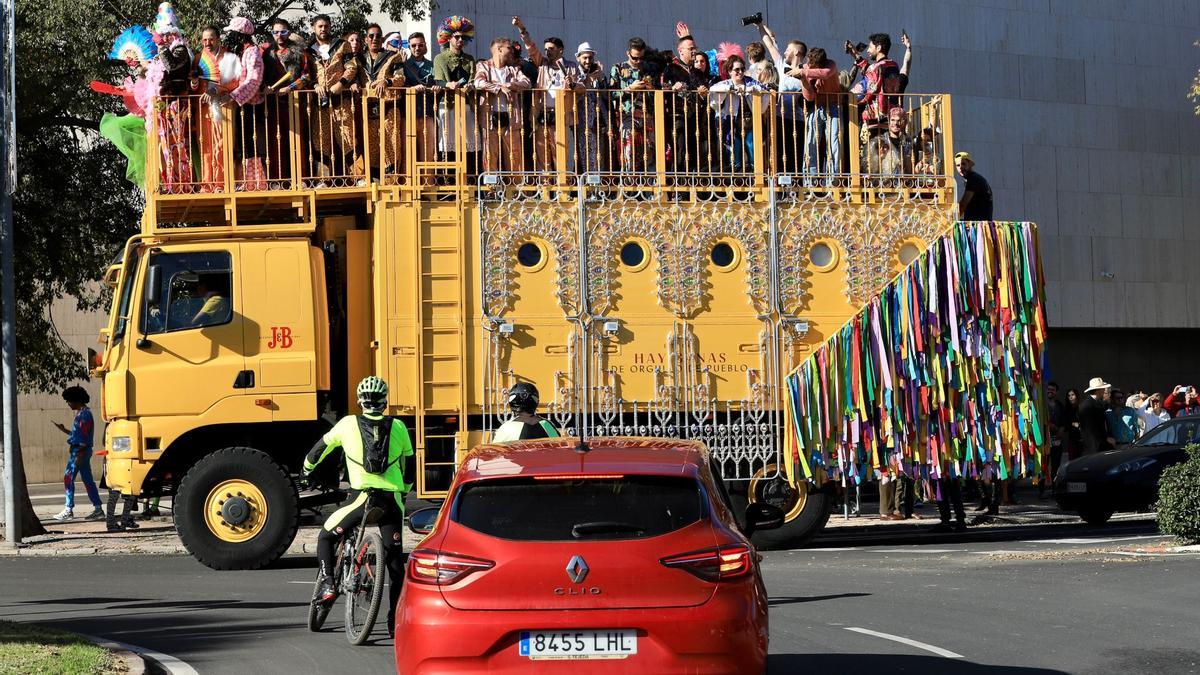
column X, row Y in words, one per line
column 621, row 555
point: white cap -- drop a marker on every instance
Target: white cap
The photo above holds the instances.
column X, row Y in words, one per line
column 584, row 47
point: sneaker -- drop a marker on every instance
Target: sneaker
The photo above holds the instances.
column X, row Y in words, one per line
column 327, row 593
column 128, row 523
column 65, row 514
column 97, row 514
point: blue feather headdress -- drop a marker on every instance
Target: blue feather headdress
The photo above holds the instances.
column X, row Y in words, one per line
column 134, row 44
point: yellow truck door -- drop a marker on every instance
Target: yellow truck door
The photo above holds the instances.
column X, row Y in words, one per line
column 280, row 332
column 188, row 339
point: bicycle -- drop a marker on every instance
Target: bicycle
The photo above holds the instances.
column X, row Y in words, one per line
column 359, row 574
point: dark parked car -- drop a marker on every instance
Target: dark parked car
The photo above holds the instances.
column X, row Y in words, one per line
column 1125, row 479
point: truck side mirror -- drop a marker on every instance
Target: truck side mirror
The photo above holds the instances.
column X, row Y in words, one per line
column 153, row 285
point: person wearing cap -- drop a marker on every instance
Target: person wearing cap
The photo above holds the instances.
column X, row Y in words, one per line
column 418, row 76
column 332, row 117
column 591, row 112
column 560, row 79
column 976, row 201
column 1095, row 435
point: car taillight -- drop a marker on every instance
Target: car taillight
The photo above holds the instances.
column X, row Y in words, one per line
column 427, row 566
column 714, row 564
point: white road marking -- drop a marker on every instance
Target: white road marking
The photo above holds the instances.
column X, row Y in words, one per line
column 172, row 665
column 1083, row 540
column 918, row 550
column 907, row 641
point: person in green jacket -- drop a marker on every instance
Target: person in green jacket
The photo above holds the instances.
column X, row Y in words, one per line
column 376, row 448
column 525, row 423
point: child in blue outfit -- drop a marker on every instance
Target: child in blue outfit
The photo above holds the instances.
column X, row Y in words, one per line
column 79, row 459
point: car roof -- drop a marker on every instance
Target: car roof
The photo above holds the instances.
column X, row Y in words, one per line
column 560, row 456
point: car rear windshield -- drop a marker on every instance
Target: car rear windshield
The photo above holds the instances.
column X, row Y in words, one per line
column 575, row 509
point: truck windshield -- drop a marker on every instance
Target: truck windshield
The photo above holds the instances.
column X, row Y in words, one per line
column 128, row 272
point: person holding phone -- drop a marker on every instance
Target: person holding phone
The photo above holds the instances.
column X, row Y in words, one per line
column 635, row 77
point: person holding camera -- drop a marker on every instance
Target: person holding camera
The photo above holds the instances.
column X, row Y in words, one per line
column 880, row 87
column 789, row 129
column 1182, row 401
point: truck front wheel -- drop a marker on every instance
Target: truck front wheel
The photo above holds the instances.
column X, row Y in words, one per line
column 236, row 509
column 805, row 508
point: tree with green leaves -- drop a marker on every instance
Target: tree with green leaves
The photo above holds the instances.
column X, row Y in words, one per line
column 73, row 209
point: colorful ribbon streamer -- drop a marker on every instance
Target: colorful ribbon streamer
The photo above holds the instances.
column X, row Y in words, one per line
column 940, row 373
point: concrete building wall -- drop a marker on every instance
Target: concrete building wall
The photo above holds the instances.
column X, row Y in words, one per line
column 1075, row 111
column 43, row 446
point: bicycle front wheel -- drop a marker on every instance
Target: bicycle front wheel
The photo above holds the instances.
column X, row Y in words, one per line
column 368, row 576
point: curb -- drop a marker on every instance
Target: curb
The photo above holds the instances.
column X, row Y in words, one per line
column 134, row 663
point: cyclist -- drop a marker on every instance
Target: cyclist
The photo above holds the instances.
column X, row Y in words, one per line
column 525, row 424
column 376, row 448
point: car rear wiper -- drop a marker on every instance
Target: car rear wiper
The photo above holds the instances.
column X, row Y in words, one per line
column 580, row 530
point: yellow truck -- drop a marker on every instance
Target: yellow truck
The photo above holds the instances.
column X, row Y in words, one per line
column 648, row 285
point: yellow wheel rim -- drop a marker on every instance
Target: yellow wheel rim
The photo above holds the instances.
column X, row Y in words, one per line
column 235, row 511
column 776, row 490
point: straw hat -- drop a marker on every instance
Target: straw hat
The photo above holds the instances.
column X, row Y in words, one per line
column 1095, row 384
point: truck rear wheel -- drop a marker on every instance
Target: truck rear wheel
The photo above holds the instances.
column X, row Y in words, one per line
column 236, row 509
column 806, row 510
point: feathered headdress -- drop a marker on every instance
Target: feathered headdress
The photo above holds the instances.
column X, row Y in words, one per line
column 728, row 49
column 164, row 21
column 455, row 24
column 135, row 44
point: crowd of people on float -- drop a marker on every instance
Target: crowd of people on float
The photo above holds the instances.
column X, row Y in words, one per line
column 516, row 94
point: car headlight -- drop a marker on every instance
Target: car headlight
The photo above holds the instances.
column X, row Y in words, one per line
column 1132, row 465
column 122, row 444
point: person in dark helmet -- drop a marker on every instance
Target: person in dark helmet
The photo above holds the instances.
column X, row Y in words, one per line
column 377, row 449
column 525, row 423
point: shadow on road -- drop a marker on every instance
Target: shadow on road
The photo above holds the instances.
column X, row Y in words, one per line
column 873, row 664
column 797, row 599
column 920, row 534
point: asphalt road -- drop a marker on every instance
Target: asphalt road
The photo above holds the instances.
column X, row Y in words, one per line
column 1075, row 600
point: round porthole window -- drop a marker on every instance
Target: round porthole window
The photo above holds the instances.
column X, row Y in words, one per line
column 909, row 253
column 723, row 255
column 821, row 255
column 529, row 255
column 633, row 254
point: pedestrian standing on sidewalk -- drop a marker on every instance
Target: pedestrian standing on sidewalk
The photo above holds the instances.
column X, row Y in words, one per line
column 79, row 453
column 1094, row 433
column 949, row 495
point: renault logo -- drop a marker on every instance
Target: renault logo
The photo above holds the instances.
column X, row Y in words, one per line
column 577, row 569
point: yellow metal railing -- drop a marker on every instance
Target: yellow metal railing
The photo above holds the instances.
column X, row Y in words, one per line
column 661, row 141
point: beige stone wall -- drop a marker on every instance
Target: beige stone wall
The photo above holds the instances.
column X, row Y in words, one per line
column 43, row 446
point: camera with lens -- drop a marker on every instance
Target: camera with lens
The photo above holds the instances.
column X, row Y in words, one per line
column 752, row 20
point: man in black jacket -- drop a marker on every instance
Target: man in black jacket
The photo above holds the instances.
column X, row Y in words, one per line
column 1093, row 425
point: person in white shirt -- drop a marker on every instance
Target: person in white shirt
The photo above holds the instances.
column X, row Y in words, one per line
column 1150, row 411
column 560, row 79
column 505, row 125
column 731, row 99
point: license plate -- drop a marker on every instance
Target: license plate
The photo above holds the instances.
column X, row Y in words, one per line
column 578, row 644
column 1076, row 487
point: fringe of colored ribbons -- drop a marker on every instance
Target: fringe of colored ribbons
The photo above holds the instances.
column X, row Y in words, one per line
column 939, row 375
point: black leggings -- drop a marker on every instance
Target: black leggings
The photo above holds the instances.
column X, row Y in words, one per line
column 390, row 525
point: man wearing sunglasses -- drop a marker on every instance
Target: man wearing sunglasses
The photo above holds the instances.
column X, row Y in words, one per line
column 380, row 75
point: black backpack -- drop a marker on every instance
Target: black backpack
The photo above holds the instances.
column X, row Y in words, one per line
column 376, row 440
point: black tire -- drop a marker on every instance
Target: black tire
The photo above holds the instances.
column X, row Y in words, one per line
column 802, row 527
column 278, row 490
column 317, row 611
column 1095, row 515
column 369, row 578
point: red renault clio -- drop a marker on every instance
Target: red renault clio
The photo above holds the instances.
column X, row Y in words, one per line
column 618, row 555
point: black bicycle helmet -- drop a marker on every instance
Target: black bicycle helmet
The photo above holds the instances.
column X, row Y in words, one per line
column 523, row 397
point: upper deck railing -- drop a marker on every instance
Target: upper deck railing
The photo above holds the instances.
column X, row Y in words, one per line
column 543, row 143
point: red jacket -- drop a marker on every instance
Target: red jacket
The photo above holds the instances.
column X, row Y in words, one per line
column 1177, row 406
